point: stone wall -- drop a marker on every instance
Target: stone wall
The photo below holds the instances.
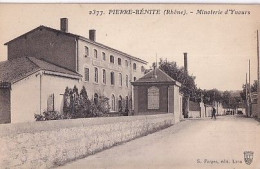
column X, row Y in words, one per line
column 50, row 143
column 35, row 90
column 254, row 110
column 208, row 111
column 194, row 114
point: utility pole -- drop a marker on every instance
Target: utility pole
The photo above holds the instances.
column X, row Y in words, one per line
column 156, row 60
column 257, row 49
column 246, row 97
column 258, row 74
column 249, row 92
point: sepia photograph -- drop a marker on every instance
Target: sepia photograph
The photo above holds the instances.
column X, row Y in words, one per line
column 129, row 86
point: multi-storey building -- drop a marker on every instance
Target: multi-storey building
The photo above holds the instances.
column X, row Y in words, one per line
column 104, row 70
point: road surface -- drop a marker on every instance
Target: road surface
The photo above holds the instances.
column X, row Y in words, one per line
column 196, row 143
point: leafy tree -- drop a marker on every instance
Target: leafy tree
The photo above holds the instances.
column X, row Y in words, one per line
column 101, row 108
column 77, row 105
column 188, row 87
column 71, row 105
column 84, row 103
column 210, row 96
column 177, row 73
column 243, row 92
column 254, row 87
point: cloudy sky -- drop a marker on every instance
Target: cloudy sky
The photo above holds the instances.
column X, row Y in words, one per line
column 218, row 45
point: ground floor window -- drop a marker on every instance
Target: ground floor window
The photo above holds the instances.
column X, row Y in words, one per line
column 50, row 102
column 120, row 104
column 113, row 103
column 96, row 98
column 126, row 102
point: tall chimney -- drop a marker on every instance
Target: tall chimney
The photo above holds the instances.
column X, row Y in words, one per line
column 185, row 63
column 64, row 24
column 92, row 34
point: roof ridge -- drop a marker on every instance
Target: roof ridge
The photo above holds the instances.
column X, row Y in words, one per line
column 166, row 74
column 77, row 36
column 97, row 43
column 23, row 34
column 147, row 74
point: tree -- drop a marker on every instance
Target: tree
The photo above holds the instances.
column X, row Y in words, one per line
column 243, row 92
column 84, row 103
column 188, row 82
column 188, row 86
column 210, row 96
column 254, row 87
column 78, row 105
column 226, row 99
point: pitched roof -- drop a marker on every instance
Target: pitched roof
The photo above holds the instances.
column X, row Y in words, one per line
column 82, row 38
column 156, row 76
column 44, row 65
column 16, row 69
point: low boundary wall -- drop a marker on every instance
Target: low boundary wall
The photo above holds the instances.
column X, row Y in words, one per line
column 49, row 143
column 194, row 114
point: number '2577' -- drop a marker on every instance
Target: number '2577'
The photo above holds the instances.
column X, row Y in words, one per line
column 96, row 12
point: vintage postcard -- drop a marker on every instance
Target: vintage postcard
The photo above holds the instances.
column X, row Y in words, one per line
column 126, row 86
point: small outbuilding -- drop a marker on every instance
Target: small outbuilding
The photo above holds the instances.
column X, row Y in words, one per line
column 31, row 86
column 157, row 93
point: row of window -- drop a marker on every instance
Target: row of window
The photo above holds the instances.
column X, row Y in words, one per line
column 112, row 58
column 104, row 78
column 113, row 102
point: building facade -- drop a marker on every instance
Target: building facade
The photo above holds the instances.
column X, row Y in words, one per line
column 31, row 86
column 157, row 93
column 104, row 71
column 108, row 72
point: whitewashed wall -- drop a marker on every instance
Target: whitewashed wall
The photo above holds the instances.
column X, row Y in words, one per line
column 25, row 95
column 25, row 99
column 56, row 85
column 177, row 112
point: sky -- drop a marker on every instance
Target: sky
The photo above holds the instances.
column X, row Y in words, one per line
column 219, row 46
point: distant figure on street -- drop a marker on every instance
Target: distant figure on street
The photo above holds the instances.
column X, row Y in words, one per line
column 213, row 113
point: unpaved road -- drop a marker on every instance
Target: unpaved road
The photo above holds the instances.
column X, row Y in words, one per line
column 202, row 143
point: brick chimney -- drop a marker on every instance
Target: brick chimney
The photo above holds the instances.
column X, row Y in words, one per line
column 185, row 62
column 92, row 34
column 64, row 24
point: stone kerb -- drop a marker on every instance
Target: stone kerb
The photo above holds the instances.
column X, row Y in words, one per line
column 46, row 144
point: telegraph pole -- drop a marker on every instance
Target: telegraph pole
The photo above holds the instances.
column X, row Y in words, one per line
column 246, row 97
column 249, row 92
column 257, row 49
column 258, row 74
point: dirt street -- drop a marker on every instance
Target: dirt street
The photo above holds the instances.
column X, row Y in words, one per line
column 195, row 143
